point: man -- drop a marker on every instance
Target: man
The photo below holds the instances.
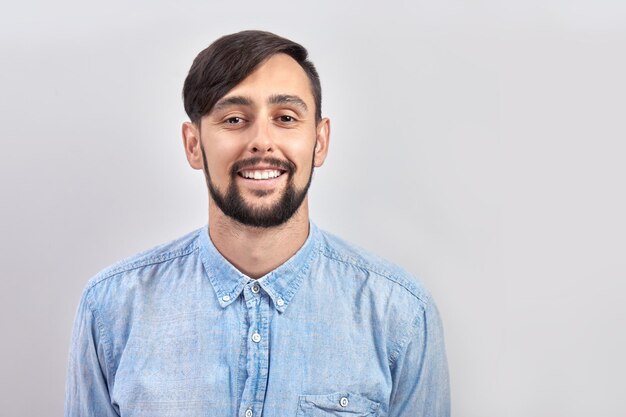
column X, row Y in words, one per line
column 260, row 312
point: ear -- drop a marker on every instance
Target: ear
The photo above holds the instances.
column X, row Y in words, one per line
column 191, row 142
column 321, row 142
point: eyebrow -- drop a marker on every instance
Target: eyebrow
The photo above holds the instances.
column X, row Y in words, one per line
column 246, row 101
column 232, row 101
column 288, row 99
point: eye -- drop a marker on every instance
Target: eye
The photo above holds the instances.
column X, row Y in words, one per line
column 286, row 118
column 234, row 120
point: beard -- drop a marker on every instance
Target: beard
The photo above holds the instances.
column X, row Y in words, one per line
column 232, row 203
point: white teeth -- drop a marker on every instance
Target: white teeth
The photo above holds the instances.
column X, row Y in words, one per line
column 261, row 175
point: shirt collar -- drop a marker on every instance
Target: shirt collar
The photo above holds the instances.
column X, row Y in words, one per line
column 281, row 284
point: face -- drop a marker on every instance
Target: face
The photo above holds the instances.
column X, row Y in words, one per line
column 259, row 145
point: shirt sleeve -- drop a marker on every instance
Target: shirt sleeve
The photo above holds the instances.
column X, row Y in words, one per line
column 420, row 374
column 86, row 390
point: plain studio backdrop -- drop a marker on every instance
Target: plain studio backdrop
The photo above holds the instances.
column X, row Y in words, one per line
column 478, row 144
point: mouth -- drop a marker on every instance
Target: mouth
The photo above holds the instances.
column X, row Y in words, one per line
column 261, row 174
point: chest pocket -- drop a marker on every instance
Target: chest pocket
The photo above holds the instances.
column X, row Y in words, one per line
column 338, row 404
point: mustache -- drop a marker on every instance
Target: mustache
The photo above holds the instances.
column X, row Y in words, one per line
column 287, row 166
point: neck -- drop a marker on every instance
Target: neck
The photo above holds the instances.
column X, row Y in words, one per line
column 255, row 251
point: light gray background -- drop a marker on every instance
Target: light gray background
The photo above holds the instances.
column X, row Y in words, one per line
column 478, row 144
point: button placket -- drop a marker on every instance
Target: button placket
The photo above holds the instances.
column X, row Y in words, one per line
column 257, row 354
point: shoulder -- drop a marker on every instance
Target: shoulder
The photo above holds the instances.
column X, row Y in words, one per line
column 151, row 258
column 340, row 251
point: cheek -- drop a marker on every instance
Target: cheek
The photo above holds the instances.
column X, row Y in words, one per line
column 218, row 159
column 304, row 162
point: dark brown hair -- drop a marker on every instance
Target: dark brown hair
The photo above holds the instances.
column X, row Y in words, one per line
column 230, row 59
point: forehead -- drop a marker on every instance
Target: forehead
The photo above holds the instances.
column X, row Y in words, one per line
column 280, row 74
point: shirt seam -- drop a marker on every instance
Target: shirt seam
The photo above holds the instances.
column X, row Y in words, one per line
column 142, row 262
column 106, row 343
column 403, row 345
column 384, row 274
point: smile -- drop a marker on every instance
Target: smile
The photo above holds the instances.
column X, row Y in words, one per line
column 260, row 174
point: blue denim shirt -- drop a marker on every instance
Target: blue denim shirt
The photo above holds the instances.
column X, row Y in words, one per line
column 179, row 331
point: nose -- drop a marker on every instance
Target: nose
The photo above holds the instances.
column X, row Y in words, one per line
column 261, row 140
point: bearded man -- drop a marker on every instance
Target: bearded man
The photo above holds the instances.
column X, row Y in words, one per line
column 258, row 313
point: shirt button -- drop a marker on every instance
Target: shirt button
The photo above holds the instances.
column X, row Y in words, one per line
column 343, row 402
column 256, row 338
column 280, row 302
column 248, row 413
column 255, row 288
column 226, row 298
